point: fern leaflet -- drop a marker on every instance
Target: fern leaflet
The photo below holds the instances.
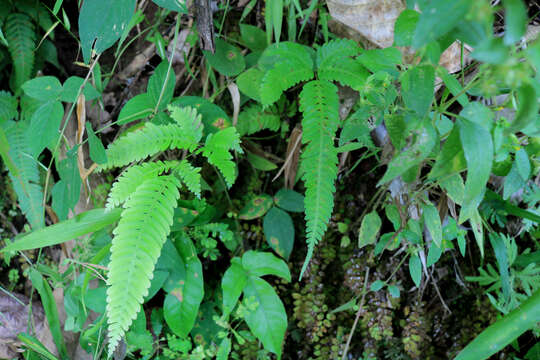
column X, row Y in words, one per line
column 21, row 37
column 319, row 104
column 189, row 122
column 8, row 106
column 217, row 149
column 254, row 119
column 190, row 176
column 136, row 246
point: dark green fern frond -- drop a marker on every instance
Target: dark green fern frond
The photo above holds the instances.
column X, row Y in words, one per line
column 133, row 177
column 149, row 140
column 217, row 149
column 287, row 64
column 335, row 63
column 190, row 176
column 20, row 34
column 189, row 122
column 319, row 104
column 26, row 181
column 8, row 106
column 136, row 246
column 253, row 119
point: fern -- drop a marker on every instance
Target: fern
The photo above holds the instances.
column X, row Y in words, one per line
column 190, row 176
column 217, row 149
column 319, row 104
column 8, row 106
column 189, row 122
column 254, row 119
column 133, row 177
column 138, row 239
column 292, row 63
column 20, row 34
column 26, row 181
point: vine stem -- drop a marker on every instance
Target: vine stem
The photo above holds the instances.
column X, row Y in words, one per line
column 358, row 312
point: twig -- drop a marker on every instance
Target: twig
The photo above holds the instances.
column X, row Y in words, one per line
column 358, row 312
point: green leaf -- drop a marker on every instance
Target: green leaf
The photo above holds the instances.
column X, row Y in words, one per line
column 434, row 254
column 249, row 83
column 173, row 5
column 8, row 107
column 394, row 291
column 275, row 7
column 217, row 150
column 527, row 112
column 501, row 254
column 213, row 117
column 404, row 27
column 67, row 191
column 478, row 151
column 182, row 302
column 289, row 200
column 381, row 60
column 279, row 232
column 71, row 87
column 138, row 107
column 97, row 150
column 51, row 312
column 268, row 322
column 478, row 113
column 81, row 224
column 523, row 164
column 44, row 88
column 161, row 86
column 260, row 163
column 371, row 224
column 515, row 20
column 377, row 285
column 233, row 282
column 227, row 60
column 491, row 51
column 224, row 349
column 104, row 22
column 253, row 37
column 417, row 86
column 504, row 331
column 265, row 263
column 451, row 159
column 35, row 345
column 4, row 153
column 256, row 207
column 433, row 222
column 253, row 119
column 44, row 127
column 513, row 181
column 438, row 18
column 453, row 85
column 415, row 269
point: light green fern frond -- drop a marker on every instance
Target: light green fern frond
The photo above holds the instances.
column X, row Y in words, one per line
column 190, row 123
column 287, row 64
column 217, row 151
column 136, row 246
column 253, row 119
column 133, row 177
column 20, row 34
column 335, row 63
column 26, row 181
column 8, row 106
column 319, row 104
column 149, row 140
column 190, row 176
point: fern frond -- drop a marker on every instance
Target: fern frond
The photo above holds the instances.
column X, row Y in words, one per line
column 319, row 104
column 217, row 149
column 8, row 106
column 21, row 36
column 189, row 122
column 335, row 50
column 149, row 140
column 292, row 63
column 190, row 176
column 136, row 246
column 26, row 181
column 254, row 119
column 133, row 177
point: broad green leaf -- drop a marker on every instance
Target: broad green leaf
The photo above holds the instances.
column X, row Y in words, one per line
column 268, row 322
column 227, row 60
column 71, row 87
column 173, row 5
column 4, row 153
column 417, row 86
column 213, row 117
column 260, row 163
column 161, row 86
column 138, row 107
column 97, row 150
column 392, row 213
column 182, row 302
column 376, row 60
column 454, row 187
column 265, row 263
column 433, row 222
column 279, row 231
column 513, row 181
column 523, row 164
column 527, row 112
column 451, row 159
column 478, row 113
column 289, row 200
column 233, row 282
column 253, row 37
column 478, row 151
column 224, row 349
column 44, row 88
column 8, row 107
column 491, row 51
column 249, row 83
column 415, row 269
column 453, row 85
column 394, row 291
column 377, row 285
column 104, row 22
column 369, row 229
column 434, row 254
column 81, row 224
column 171, row 261
column 44, row 127
column 256, row 207
column 504, row 331
column 515, row 20
column 437, row 19
column 67, row 191
column 51, row 311
column 404, row 27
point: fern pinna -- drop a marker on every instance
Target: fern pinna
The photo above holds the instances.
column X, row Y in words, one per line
column 149, row 194
column 287, row 64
